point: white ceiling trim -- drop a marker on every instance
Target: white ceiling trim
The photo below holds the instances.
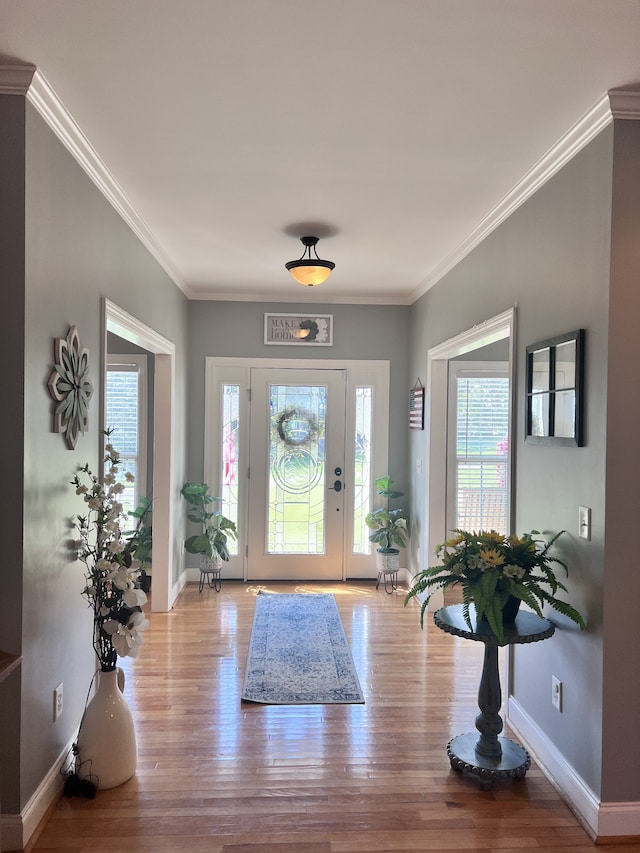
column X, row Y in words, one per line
column 625, row 103
column 582, row 132
column 52, row 110
column 16, row 79
column 314, row 298
column 26, row 79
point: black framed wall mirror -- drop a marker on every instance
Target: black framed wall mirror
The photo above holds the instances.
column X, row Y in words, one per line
column 555, row 381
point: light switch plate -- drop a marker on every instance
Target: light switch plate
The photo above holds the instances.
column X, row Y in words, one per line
column 584, row 522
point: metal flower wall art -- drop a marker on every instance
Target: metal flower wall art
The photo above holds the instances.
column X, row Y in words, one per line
column 70, row 387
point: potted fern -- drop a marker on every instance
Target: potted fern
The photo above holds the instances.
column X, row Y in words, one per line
column 388, row 526
column 496, row 574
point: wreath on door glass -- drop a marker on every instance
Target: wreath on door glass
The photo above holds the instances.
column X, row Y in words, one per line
column 296, row 427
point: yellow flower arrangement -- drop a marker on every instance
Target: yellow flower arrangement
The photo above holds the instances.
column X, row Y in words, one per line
column 491, row 568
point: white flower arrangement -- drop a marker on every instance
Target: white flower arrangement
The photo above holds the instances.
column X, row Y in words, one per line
column 111, row 574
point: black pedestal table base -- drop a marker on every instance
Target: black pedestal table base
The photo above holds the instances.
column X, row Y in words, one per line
column 489, row 757
column 513, row 762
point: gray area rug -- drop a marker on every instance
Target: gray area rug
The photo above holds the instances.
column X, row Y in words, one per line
column 298, row 653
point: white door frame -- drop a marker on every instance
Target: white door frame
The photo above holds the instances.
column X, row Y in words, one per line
column 359, row 371
column 121, row 323
column 495, row 329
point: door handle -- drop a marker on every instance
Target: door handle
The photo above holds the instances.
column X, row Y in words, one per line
column 337, row 486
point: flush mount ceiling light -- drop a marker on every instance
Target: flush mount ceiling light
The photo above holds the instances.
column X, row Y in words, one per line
column 309, row 270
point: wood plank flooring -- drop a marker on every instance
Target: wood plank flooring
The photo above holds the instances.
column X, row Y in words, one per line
column 220, row 776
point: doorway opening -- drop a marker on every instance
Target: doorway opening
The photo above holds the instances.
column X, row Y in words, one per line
column 478, row 440
column 127, row 398
column 127, row 327
column 293, row 450
column 499, row 328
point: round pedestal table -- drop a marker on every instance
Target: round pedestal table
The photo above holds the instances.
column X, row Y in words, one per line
column 489, row 757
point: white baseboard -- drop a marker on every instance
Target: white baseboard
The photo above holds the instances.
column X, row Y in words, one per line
column 193, row 576
column 405, row 577
column 179, row 585
column 617, row 819
column 601, row 820
column 17, row 829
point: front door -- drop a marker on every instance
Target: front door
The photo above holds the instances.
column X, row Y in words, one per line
column 296, row 465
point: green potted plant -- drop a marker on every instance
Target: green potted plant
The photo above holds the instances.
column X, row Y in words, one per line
column 388, row 526
column 496, row 574
column 139, row 541
column 211, row 542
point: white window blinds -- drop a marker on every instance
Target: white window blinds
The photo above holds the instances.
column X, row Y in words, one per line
column 481, row 458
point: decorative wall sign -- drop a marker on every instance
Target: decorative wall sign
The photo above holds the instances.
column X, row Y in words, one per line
column 416, row 406
column 555, row 379
column 299, row 329
column 70, row 386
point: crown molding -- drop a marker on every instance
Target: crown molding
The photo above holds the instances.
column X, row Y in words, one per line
column 53, row 111
column 625, row 103
column 16, row 79
column 25, row 79
column 616, row 103
column 211, row 295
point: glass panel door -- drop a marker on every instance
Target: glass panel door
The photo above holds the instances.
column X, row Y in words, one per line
column 296, row 485
column 297, row 471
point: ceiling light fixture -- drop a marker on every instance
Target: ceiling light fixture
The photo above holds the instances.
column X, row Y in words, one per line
column 308, row 270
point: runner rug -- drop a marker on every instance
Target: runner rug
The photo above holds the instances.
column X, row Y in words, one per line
column 298, row 653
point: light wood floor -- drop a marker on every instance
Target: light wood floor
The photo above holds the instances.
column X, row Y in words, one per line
column 221, row 776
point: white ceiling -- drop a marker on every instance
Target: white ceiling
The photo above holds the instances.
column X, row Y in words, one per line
column 393, row 129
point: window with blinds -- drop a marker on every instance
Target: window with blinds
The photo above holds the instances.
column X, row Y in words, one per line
column 479, row 451
column 126, row 415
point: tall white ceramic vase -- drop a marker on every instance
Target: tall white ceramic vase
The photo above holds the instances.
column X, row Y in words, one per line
column 107, row 752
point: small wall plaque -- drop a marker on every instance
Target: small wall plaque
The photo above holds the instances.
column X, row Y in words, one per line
column 299, row 329
column 416, row 406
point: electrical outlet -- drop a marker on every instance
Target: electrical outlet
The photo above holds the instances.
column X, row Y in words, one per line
column 556, row 693
column 57, row 702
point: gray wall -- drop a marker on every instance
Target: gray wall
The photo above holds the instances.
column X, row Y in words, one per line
column 498, row 351
column 78, row 251
column 12, row 129
column 552, row 259
column 360, row 332
column 621, row 693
